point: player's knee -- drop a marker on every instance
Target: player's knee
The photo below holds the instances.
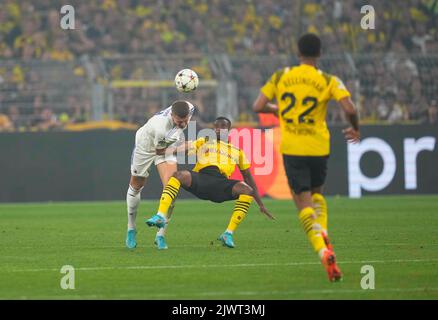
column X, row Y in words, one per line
column 245, row 189
column 178, row 175
column 249, row 190
column 182, row 176
column 137, row 182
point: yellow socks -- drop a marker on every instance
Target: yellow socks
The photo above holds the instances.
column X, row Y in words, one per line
column 239, row 212
column 320, row 206
column 307, row 218
column 169, row 194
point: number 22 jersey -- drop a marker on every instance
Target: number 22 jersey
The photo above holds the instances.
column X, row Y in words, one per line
column 302, row 94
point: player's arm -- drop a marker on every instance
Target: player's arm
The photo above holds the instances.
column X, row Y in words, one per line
column 262, row 105
column 352, row 134
column 248, row 178
column 267, row 93
column 182, row 148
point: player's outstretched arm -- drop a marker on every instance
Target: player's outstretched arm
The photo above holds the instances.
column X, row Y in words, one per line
column 262, row 105
column 352, row 134
column 247, row 177
column 184, row 147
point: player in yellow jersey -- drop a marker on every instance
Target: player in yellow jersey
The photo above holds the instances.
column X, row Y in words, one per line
column 302, row 93
column 209, row 179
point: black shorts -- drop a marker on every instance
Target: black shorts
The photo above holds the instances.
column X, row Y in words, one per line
column 304, row 172
column 210, row 184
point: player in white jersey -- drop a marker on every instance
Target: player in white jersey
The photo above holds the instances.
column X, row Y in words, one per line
column 162, row 130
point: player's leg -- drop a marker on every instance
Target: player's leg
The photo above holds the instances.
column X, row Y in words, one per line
column 318, row 176
column 320, row 206
column 165, row 168
column 243, row 192
column 183, row 178
column 136, row 184
column 168, row 196
column 140, row 163
column 318, row 166
column 299, row 179
column 316, row 236
column 307, row 216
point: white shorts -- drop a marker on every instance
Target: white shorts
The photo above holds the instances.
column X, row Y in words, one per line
column 142, row 161
column 143, row 157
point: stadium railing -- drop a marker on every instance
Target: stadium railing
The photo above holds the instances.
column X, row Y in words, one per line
column 39, row 95
column 387, row 88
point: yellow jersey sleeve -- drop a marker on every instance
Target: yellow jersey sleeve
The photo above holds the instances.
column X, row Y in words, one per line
column 198, row 143
column 195, row 145
column 338, row 89
column 243, row 161
column 270, row 88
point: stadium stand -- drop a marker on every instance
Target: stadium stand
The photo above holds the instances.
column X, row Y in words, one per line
column 49, row 76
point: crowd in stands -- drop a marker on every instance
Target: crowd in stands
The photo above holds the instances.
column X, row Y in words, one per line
column 399, row 82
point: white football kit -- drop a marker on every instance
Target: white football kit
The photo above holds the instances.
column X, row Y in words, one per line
column 158, row 132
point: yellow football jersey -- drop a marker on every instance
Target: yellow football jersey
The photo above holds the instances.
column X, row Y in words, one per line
column 220, row 154
column 302, row 94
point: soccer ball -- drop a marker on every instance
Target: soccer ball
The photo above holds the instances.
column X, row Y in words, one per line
column 186, row 80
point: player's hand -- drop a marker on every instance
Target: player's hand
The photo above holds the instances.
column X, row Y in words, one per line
column 266, row 212
column 273, row 108
column 351, row 135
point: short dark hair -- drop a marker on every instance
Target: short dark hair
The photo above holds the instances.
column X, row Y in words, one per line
column 223, row 119
column 181, row 108
column 309, row 45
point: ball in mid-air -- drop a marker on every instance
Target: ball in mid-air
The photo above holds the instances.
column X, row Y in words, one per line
column 186, row 80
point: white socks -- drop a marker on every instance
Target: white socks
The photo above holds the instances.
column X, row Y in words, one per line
column 132, row 201
column 162, row 231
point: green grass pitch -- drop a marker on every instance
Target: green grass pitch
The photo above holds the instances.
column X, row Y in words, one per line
column 272, row 260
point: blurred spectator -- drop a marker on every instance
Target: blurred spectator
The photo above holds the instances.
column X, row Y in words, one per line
column 59, row 52
column 48, row 120
column 79, row 112
column 34, row 117
column 432, row 113
column 394, row 84
column 398, row 113
column 261, row 27
column 5, row 123
column 384, row 108
column 18, row 122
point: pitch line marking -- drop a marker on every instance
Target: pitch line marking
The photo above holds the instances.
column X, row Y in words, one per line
column 194, row 266
column 209, row 245
column 239, row 293
column 307, row 291
column 328, row 291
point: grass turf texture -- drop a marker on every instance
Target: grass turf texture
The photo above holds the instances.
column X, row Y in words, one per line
column 272, row 260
